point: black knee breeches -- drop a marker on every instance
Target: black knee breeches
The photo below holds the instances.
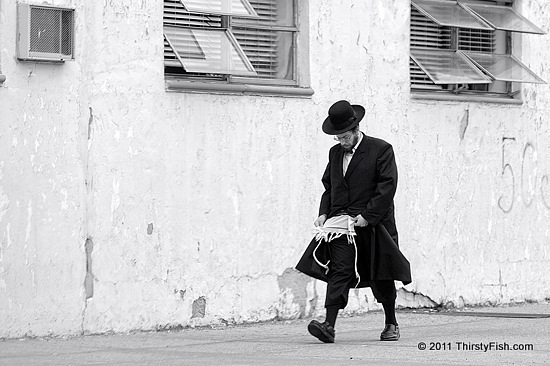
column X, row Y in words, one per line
column 342, row 276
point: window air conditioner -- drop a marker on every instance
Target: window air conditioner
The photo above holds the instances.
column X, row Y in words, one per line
column 45, row 33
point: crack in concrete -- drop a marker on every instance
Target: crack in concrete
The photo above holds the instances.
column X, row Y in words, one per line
column 89, row 279
column 415, row 299
column 464, row 124
column 88, row 245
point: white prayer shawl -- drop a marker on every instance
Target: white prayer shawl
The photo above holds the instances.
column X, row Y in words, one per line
column 334, row 228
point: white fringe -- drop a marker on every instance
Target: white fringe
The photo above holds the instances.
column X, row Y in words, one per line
column 331, row 233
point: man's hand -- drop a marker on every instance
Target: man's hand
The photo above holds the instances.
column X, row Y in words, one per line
column 320, row 220
column 360, row 221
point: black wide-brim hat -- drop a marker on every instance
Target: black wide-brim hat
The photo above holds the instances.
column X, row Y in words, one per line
column 342, row 117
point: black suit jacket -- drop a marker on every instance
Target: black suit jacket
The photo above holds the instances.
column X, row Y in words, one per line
column 367, row 188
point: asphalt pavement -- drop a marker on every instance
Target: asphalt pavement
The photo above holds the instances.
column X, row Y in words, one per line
column 510, row 335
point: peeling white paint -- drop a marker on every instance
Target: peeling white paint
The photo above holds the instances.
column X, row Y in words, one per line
column 29, row 222
column 115, row 199
column 64, row 202
column 4, row 202
column 8, row 236
column 269, row 168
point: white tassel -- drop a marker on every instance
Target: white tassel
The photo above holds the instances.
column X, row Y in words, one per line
column 325, row 266
column 334, row 228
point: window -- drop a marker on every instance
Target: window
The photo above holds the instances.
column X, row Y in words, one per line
column 225, row 44
column 465, row 47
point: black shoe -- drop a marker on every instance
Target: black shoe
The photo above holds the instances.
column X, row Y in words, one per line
column 390, row 333
column 323, row 331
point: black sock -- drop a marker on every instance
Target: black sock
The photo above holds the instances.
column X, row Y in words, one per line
column 389, row 311
column 332, row 313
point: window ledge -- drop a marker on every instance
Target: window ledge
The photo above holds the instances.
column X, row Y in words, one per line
column 173, row 85
column 2, row 78
column 465, row 98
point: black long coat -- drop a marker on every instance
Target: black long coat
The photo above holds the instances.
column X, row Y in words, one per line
column 368, row 189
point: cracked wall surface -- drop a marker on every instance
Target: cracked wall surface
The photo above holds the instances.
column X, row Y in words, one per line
column 125, row 207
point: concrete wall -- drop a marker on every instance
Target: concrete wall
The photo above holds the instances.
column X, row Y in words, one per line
column 125, row 207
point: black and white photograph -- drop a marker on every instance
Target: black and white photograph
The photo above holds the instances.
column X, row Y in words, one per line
column 274, row 182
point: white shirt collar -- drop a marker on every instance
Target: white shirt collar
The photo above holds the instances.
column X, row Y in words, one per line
column 358, row 142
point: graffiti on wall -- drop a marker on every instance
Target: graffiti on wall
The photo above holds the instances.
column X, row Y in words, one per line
column 522, row 175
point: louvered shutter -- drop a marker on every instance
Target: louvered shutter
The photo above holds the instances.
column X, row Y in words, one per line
column 176, row 15
column 268, row 41
column 428, row 32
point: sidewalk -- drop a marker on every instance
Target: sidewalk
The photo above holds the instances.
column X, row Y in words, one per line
column 451, row 338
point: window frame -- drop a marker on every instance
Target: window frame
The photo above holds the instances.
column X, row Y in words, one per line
column 422, row 85
column 235, row 84
column 250, row 12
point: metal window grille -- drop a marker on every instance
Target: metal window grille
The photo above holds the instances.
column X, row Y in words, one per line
column 476, row 40
column 45, row 35
column 67, row 32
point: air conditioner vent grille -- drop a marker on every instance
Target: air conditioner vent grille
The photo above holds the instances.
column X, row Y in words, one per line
column 45, row 25
column 45, row 33
column 67, row 30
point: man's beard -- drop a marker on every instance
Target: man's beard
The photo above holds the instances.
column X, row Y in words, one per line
column 353, row 142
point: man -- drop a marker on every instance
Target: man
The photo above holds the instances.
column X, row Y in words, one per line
column 356, row 240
